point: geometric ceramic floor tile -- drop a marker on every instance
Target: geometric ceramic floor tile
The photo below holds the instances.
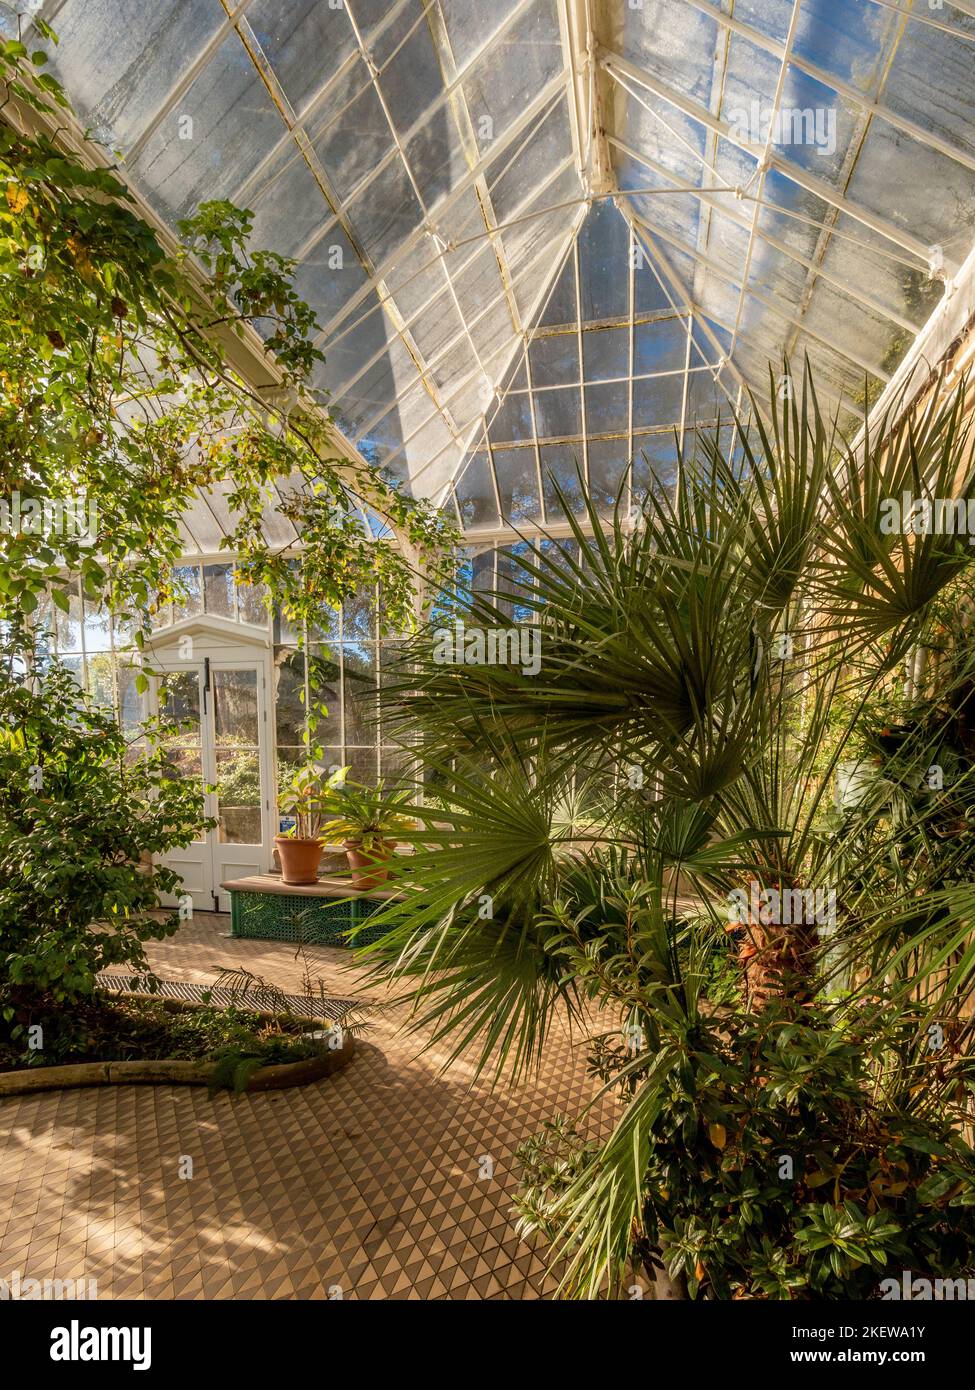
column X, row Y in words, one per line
column 372, row 1184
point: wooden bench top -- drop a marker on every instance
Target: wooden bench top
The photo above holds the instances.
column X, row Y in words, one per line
column 324, row 888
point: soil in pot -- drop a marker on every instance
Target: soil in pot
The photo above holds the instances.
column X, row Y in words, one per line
column 369, row 869
column 299, row 858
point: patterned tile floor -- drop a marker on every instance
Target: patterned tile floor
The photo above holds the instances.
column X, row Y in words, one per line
column 368, row 1185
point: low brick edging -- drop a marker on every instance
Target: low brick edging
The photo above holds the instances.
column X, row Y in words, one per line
column 172, row 1073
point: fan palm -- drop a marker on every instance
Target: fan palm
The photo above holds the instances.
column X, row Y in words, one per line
column 703, row 675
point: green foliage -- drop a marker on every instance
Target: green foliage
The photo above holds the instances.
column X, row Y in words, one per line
column 770, row 1163
column 80, row 812
column 367, row 815
column 106, row 1028
column 306, row 798
column 97, row 312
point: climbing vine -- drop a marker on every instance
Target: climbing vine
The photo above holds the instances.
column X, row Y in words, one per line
column 119, row 401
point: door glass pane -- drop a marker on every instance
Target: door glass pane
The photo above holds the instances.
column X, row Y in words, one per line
column 179, row 702
column 185, row 762
column 239, row 796
column 235, row 707
column 235, row 724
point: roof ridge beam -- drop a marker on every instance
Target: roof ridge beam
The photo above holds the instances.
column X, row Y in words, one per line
column 582, row 23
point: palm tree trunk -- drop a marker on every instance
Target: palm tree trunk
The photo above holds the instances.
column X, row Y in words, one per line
column 777, row 962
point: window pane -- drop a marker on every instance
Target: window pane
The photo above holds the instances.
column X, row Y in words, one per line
column 290, row 759
column 67, row 626
column 329, row 627
column 218, row 590
column 396, row 767
column 289, row 689
column 124, row 627
column 608, row 407
column 101, row 687
column 285, row 631
column 187, row 592
column 558, row 413
column 323, row 694
column 606, row 353
column 97, row 634
column 359, row 685
column 475, row 493
column 251, row 604
column 129, row 699
column 363, row 765
column 563, row 463
column 555, row 359
column 607, row 473
column 359, row 616
column 74, row 665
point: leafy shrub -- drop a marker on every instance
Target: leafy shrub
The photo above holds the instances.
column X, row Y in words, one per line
column 80, row 814
column 772, row 1164
column 110, row 1029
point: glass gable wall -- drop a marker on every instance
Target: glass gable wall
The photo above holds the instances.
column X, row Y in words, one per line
column 337, row 668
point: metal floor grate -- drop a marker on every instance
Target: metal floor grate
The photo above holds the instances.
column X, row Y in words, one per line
column 177, row 989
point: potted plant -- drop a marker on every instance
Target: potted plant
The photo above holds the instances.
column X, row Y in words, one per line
column 367, row 820
column 300, row 848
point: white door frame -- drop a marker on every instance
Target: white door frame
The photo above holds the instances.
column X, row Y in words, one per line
column 195, row 861
column 218, row 646
column 237, row 861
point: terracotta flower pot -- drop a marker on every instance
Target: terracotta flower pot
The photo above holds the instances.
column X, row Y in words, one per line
column 299, row 858
column 369, row 869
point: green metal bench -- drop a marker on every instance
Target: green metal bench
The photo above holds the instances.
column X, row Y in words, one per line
column 264, row 908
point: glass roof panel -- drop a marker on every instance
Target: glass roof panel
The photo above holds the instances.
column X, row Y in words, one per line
column 941, row 208
column 561, row 465
column 673, row 41
column 847, row 39
column 471, row 26
column 304, row 42
column 457, row 180
column 530, row 56
column 206, row 146
column 121, row 60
